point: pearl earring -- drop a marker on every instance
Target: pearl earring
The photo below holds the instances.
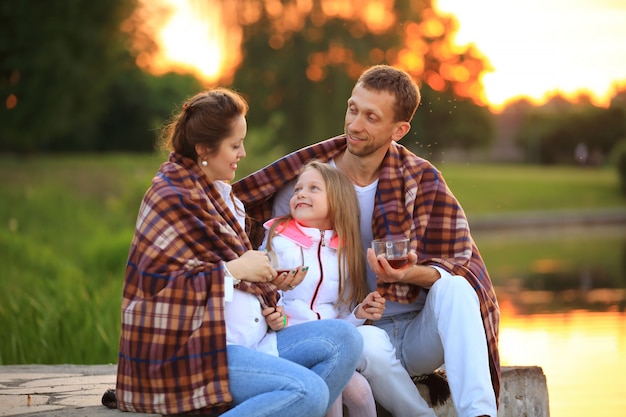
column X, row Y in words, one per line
column 204, row 163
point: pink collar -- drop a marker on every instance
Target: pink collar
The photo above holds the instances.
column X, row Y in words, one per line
column 293, row 231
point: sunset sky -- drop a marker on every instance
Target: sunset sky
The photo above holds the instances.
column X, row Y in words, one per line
column 538, row 46
column 535, row 47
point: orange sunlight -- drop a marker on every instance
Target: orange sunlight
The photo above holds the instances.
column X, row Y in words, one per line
column 193, row 39
column 536, row 48
column 581, row 354
column 539, row 47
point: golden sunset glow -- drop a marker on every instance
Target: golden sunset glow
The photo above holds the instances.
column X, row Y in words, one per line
column 535, row 48
column 581, row 354
column 539, row 47
column 197, row 29
column 195, row 38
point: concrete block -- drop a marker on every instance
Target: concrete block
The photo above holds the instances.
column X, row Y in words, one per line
column 524, row 393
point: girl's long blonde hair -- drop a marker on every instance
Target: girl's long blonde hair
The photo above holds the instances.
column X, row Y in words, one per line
column 344, row 213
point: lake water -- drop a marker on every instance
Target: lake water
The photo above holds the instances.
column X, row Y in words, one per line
column 582, row 354
column 562, row 295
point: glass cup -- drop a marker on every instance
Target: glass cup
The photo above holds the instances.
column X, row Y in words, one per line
column 395, row 250
column 275, row 264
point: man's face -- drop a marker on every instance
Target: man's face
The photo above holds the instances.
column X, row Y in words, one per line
column 369, row 123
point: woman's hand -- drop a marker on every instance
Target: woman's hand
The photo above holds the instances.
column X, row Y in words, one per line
column 275, row 318
column 252, row 266
column 371, row 308
column 289, row 280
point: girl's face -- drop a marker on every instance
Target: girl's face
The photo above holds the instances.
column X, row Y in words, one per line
column 223, row 164
column 309, row 204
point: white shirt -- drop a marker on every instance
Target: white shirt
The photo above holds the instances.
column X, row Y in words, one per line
column 245, row 325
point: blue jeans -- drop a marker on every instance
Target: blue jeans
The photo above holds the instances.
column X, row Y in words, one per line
column 317, row 359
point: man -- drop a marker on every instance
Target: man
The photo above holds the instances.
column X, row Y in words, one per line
column 440, row 310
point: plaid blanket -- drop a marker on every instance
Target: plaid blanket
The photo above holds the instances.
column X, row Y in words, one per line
column 412, row 199
column 172, row 355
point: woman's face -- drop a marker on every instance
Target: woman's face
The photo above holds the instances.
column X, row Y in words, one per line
column 223, row 164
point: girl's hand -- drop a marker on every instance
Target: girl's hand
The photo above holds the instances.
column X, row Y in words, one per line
column 252, row 266
column 275, row 318
column 372, row 307
column 289, row 280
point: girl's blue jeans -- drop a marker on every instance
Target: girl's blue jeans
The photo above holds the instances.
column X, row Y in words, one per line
column 316, row 361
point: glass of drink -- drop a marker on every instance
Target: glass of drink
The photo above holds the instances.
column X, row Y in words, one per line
column 277, row 266
column 394, row 249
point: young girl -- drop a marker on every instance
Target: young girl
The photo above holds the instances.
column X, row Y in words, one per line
column 322, row 232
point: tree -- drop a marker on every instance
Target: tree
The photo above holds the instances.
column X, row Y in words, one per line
column 71, row 81
column 444, row 121
column 58, row 59
column 301, row 60
column 137, row 105
column 552, row 133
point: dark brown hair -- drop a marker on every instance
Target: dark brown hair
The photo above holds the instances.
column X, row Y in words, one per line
column 207, row 119
column 397, row 82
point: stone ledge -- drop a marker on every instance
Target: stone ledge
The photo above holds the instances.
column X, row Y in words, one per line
column 56, row 390
column 524, row 392
column 76, row 390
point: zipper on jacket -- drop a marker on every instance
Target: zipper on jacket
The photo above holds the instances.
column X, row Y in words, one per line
column 319, row 283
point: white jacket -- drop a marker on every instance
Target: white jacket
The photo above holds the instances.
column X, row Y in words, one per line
column 314, row 298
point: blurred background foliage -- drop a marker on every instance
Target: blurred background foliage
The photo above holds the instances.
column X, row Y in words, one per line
column 73, row 78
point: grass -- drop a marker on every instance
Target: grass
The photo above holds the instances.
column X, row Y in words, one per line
column 66, row 223
column 505, row 188
column 65, row 226
column 556, row 261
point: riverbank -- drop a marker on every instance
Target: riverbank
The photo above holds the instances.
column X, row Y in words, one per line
column 548, row 219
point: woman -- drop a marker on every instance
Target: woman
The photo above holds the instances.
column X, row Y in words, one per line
column 197, row 298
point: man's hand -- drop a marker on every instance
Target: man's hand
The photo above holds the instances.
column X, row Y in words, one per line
column 424, row 276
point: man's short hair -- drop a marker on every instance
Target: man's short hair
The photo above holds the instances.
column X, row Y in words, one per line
column 397, row 82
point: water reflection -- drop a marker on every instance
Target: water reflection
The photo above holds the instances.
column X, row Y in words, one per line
column 562, row 293
column 582, row 353
column 547, row 270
